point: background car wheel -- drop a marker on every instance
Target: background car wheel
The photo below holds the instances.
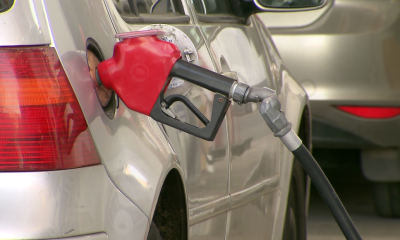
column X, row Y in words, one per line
column 295, row 220
column 154, row 234
column 387, row 198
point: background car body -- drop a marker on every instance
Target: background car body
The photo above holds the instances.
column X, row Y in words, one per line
column 146, row 167
column 346, row 54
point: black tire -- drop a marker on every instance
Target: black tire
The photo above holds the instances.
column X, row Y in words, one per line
column 295, row 219
column 154, row 234
column 387, row 198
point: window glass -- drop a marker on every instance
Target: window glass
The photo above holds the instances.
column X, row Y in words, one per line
column 5, row 5
column 133, row 8
column 218, row 6
column 198, row 6
column 291, row 3
column 213, row 6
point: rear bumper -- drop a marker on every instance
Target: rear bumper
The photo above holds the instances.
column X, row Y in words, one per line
column 325, row 135
column 59, row 204
column 334, row 128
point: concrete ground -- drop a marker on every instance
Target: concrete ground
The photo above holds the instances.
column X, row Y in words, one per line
column 342, row 168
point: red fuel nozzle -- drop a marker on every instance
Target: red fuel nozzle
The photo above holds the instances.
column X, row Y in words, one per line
column 138, row 70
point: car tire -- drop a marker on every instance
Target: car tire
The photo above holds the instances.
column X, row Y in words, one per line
column 387, row 198
column 295, row 219
column 154, row 234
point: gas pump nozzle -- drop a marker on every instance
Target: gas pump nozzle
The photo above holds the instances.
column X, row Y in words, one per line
column 140, row 71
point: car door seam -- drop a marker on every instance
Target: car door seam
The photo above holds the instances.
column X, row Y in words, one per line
column 249, row 194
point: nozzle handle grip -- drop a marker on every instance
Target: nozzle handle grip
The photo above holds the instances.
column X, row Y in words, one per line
column 202, row 77
column 176, row 97
column 219, row 109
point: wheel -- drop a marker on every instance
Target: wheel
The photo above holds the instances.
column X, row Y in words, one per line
column 154, row 234
column 295, row 219
column 387, row 198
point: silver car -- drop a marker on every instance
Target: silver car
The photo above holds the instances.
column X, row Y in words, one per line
column 346, row 54
column 76, row 162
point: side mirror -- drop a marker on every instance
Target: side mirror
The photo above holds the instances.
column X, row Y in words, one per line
column 289, row 5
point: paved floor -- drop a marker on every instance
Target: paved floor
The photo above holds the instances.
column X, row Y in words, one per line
column 355, row 193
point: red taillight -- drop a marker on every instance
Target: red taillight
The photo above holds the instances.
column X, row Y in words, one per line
column 371, row 112
column 42, row 126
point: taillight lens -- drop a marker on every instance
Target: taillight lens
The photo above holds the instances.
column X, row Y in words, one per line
column 371, row 112
column 42, row 126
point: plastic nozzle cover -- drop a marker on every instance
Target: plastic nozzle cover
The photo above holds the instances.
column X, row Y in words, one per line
column 138, row 71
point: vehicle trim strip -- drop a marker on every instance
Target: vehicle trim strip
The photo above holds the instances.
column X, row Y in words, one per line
column 247, row 195
column 233, row 201
column 209, row 210
column 94, row 236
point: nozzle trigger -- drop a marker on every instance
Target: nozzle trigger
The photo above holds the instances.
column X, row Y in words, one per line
column 220, row 107
column 176, row 97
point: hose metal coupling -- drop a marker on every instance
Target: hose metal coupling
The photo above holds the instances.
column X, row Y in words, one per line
column 242, row 93
column 270, row 110
column 238, row 91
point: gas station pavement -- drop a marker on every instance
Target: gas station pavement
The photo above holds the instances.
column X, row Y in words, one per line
column 356, row 194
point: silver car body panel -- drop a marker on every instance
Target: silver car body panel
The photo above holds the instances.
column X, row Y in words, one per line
column 257, row 215
column 254, row 166
column 205, row 183
column 240, row 56
column 25, row 24
column 196, row 171
column 348, row 57
column 132, row 146
column 213, row 228
column 66, row 203
column 186, row 146
column 226, row 182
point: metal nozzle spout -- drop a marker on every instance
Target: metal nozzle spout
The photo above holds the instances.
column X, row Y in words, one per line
column 98, row 80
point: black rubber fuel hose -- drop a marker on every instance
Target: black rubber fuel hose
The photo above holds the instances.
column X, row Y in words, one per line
column 327, row 192
column 202, row 77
